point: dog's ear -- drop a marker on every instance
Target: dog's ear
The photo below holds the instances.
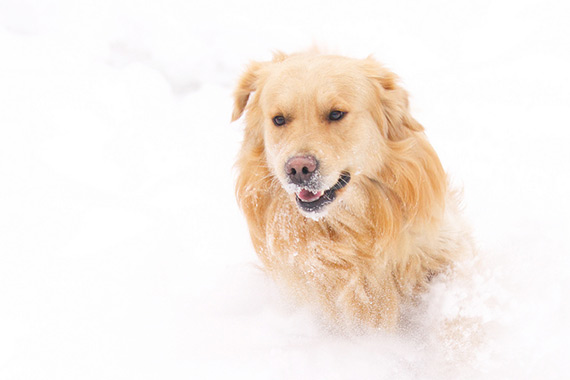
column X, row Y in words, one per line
column 391, row 107
column 246, row 85
column 411, row 168
column 250, row 82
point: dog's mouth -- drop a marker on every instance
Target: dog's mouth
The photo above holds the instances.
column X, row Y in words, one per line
column 313, row 202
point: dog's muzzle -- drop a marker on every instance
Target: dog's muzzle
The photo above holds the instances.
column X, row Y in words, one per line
column 313, row 202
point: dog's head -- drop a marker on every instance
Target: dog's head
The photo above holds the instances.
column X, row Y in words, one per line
column 322, row 122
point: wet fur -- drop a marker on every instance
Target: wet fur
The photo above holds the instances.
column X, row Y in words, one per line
column 392, row 228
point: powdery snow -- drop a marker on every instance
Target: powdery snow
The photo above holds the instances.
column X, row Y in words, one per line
column 123, row 254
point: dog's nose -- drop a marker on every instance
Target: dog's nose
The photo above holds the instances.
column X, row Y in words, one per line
column 300, row 169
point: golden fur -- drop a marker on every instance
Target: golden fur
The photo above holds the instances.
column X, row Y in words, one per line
column 393, row 227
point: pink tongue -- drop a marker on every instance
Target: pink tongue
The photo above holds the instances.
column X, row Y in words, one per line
column 307, row 196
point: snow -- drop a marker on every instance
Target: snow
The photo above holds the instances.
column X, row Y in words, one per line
column 123, row 254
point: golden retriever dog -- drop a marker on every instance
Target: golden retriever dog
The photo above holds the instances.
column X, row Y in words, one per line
column 346, row 201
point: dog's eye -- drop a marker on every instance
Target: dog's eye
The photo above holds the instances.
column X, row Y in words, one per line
column 336, row 115
column 279, row 120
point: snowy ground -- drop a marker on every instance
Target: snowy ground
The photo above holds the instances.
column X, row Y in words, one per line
column 124, row 256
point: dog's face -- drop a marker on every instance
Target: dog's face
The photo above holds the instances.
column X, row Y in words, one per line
column 317, row 129
column 321, row 124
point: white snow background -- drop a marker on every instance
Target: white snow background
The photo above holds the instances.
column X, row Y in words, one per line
column 123, row 254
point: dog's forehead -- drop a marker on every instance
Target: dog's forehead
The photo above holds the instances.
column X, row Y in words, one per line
column 318, row 70
column 315, row 77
